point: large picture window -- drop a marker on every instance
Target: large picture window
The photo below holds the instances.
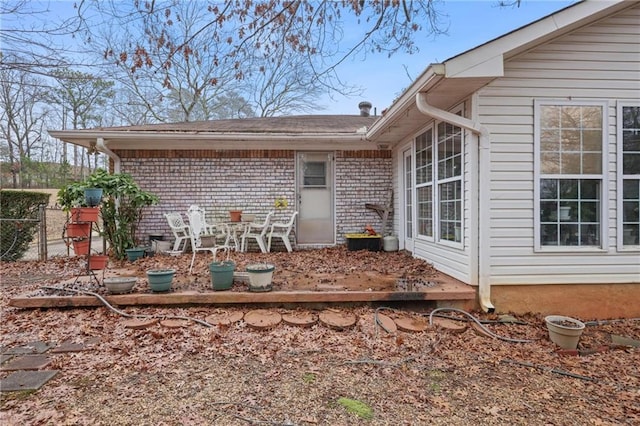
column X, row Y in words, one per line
column 569, row 156
column 629, row 143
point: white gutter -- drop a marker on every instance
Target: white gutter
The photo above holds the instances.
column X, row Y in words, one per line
column 102, row 147
column 484, row 177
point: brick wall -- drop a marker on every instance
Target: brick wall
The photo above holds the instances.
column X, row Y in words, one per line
column 251, row 180
column 361, row 177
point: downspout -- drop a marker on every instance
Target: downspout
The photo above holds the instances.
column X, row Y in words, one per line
column 484, row 202
column 102, row 147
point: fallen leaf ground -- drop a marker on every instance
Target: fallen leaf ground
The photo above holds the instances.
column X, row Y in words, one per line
column 235, row 375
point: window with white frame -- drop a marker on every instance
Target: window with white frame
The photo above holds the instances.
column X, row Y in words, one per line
column 569, row 166
column 629, row 124
column 424, row 183
column 449, row 180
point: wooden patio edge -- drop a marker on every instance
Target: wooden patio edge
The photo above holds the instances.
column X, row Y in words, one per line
column 231, row 297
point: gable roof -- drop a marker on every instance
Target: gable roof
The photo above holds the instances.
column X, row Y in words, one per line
column 448, row 83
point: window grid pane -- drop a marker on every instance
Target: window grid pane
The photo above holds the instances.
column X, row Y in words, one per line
column 451, row 211
column 571, row 139
column 407, row 197
column 570, row 212
column 425, row 210
column 631, row 212
column 424, row 158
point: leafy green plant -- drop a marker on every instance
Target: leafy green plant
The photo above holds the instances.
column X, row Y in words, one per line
column 308, row 378
column 356, row 407
column 122, row 206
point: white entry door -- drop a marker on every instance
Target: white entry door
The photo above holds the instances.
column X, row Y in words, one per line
column 314, row 177
column 407, row 185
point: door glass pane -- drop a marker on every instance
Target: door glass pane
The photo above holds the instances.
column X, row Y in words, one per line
column 315, row 174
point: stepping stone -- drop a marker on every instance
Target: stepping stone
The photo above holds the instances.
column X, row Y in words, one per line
column 262, row 319
column 29, row 348
column 27, row 362
column 26, row 380
column 70, row 346
column 224, row 318
column 300, row 319
column 174, row 323
column 624, row 341
column 450, row 325
column 411, row 325
column 137, row 324
column 386, row 323
column 337, row 320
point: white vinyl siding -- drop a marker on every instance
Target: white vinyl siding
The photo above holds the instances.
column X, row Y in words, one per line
column 599, row 63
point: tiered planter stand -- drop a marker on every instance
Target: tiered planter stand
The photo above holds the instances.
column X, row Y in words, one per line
column 78, row 230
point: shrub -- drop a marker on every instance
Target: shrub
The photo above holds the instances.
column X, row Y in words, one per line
column 16, row 233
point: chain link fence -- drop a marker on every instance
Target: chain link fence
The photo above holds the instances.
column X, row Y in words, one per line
column 48, row 241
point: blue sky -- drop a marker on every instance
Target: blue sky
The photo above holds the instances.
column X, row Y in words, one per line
column 471, row 23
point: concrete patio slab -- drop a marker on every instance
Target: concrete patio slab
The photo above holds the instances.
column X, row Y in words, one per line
column 36, row 347
column 26, row 380
column 5, row 357
column 27, row 362
column 71, row 346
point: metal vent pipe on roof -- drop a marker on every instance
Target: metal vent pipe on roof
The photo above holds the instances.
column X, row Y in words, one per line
column 365, row 108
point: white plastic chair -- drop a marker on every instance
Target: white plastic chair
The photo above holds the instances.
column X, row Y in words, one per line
column 285, row 230
column 198, row 230
column 218, row 230
column 257, row 231
column 179, row 229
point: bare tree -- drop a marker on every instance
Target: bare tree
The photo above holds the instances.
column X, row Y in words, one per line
column 80, row 96
column 34, row 40
column 276, row 55
column 21, row 119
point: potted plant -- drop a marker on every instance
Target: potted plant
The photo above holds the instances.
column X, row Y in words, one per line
column 222, row 274
column 564, row 331
column 260, row 276
column 160, row 279
column 119, row 285
column 134, row 253
column 93, row 196
column 235, row 215
column 98, row 262
column 122, row 206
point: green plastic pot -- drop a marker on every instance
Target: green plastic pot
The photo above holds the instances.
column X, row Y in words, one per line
column 222, row 274
column 134, row 253
column 160, row 279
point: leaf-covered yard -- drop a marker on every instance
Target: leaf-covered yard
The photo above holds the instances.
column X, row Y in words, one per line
column 289, row 375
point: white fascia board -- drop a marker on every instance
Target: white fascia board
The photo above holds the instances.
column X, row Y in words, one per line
column 492, row 67
column 210, row 140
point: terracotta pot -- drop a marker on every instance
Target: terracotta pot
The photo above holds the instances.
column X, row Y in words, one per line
column 235, row 215
column 81, row 247
column 84, row 214
column 75, row 230
column 98, row 261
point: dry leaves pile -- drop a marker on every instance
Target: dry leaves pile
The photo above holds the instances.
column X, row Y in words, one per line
column 235, row 375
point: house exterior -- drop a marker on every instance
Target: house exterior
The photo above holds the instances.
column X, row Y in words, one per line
column 515, row 166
